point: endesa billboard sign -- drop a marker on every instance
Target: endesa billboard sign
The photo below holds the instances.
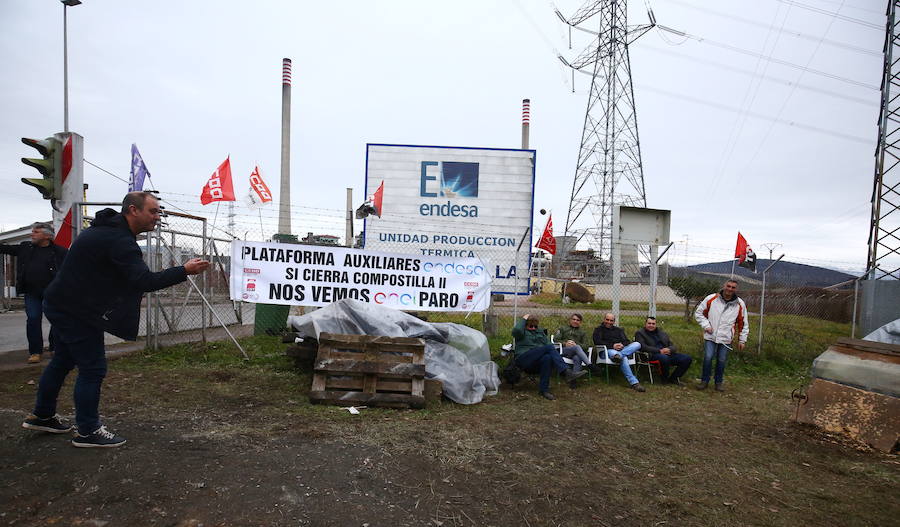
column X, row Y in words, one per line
column 454, row 202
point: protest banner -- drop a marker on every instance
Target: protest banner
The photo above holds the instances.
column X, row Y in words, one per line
column 307, row 275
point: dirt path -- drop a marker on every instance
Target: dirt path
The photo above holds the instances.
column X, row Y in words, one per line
column 240, row 446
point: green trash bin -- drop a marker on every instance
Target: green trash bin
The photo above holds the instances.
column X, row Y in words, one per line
column 271, row 319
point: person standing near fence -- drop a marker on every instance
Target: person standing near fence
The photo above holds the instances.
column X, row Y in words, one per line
column 721, row 315
column 37, row 262
column 99, row 288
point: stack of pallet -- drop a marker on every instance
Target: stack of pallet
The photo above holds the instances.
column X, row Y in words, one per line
column 362, row 370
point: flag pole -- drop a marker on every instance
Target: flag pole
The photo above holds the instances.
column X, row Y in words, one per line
column 733, row 260
column 516, row 286
column 262, row 231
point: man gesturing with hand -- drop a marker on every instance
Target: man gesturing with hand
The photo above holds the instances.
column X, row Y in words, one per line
column 99, row 288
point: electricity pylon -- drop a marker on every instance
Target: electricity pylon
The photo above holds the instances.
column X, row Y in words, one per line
column 609, row 170
column 883, row 261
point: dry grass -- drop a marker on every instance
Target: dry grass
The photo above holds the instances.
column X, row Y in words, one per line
column 599, row 455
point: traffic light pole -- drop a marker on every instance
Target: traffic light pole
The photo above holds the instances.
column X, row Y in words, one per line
column 65, row 70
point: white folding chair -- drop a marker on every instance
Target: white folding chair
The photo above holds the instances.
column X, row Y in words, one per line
column 603, row 358
column 571, row 362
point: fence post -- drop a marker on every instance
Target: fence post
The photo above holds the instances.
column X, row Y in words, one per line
column 654, row 274
column 203, row 286
column 855, row 300
column 148, row 318
column 762, row 306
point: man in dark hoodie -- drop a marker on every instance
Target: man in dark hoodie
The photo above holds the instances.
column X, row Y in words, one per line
column 99, row 288
column 36, row 264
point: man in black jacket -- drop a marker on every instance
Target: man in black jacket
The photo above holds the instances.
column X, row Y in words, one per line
column 36, row 264
column 618, row 348
column 659, row 346
column 99, row 288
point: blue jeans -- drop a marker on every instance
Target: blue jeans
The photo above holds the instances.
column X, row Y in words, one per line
column 720, row 351
column 681, row 362
column 578, row 356
column 81, row 345
column 626, row 352
column 34, row 315
column 542, row 359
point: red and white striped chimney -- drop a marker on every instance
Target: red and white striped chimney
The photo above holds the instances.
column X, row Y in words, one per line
column 286, row 71
column 526, row 118
column 284, row 198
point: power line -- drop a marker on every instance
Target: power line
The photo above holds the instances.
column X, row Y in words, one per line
column 833, row 14
column 791, row 32
column 106, row 171
column 795, row 124
column 738, row 126
column 780, row 62
column 769, row 78
column 788, row 98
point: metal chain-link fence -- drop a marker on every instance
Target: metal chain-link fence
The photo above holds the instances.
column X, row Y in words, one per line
column 784, row 298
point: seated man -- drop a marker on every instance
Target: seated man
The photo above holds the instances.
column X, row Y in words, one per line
column 658, row 345
column 618, row 346
column 536, row 354
column 574, row 342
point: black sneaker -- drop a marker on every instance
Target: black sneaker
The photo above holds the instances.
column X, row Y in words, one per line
column 638, row 388
column 571, row 375
column 54, row 424
column 617, row 359
column 549, row 396
column 100, row 438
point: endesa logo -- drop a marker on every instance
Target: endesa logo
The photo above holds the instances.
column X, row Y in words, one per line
column 448, row 179
column 452, row 268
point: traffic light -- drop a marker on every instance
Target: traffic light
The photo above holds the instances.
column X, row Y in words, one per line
column 50, row 185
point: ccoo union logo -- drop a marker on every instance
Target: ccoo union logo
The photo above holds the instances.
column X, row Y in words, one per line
column 448, row 179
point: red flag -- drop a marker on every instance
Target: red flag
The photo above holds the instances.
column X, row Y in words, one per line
column 376, row 199
column 745, row 255
column 219, row 187
column 547, row 241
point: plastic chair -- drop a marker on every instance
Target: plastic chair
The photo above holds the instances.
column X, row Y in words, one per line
column 603, row 358
column 650, row 364
column 571, row 362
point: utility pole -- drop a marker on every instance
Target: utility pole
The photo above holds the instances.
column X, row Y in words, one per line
column 771, row 246
column 609, row 170
column 348, row 235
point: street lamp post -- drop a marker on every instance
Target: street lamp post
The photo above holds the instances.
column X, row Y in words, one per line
column 66, row 4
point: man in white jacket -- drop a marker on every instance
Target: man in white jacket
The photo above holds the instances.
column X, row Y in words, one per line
column 721, row 315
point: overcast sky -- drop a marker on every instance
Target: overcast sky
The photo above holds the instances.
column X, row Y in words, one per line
column 763, row 123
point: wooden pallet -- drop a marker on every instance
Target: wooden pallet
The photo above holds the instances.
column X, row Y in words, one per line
column 361, row 370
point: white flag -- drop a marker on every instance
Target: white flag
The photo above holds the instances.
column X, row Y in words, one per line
column 258, row 194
